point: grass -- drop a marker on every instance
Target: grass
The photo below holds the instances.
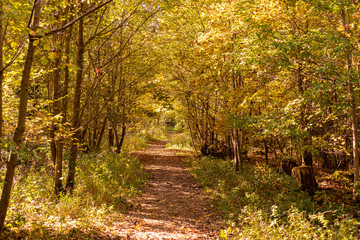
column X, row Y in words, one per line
column 259, row 203
column 134, row 141
column 104, row 184
column 180, row 141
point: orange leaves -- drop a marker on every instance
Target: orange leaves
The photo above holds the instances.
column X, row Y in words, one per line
column 137, row 225
column 346, row 30
column 99, row 72
column 187, row 230
column 53, row 55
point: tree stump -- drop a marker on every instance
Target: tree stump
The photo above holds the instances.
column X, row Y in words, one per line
column 305, row 178
column 287, row 166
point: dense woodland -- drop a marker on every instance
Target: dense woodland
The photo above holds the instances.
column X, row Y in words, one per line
column 251, row 86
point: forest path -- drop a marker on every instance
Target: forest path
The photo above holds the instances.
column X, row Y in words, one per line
column 172, row 206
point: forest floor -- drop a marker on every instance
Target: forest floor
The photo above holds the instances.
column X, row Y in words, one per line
column 173, row 205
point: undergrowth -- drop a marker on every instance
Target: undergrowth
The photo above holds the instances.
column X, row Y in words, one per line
column 134, row 141
column 259, row 203
column 181, row 141
column 104, row 183
column 153, row 131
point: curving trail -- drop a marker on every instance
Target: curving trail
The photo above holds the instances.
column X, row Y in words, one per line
column 172, row 206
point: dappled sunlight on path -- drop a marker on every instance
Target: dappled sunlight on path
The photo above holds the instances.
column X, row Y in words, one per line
column 172, row 206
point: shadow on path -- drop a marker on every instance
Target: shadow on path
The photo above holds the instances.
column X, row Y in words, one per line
column 172, row 206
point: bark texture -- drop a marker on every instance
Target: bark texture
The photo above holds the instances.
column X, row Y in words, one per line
column 76, row 109
column 20, row 128
column 287, row 166
column 305, row 178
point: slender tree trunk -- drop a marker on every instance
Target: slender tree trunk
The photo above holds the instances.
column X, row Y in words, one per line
column 354, row 131
column 57, row 143
column 76, row 109
column 192, row 136
column 52, row 144
column 235, row 150
column 116, row 139
column 1, row 78
column 121, row 99
column 58, row 167
column 20, row 128
column 111, row 109
column 56, row 106
column 94, row 138
column 123, row 133
column 236, row 139
column 238, row 159
column 66, row 75
column 60, row 142
column 111, row 137
column 59, row 107
column 101, row 134
column 353, row 105
column 306, row 141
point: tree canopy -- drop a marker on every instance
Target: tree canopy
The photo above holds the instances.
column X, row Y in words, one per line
column 241, row 77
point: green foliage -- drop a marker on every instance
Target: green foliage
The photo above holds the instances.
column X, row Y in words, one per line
column 297, row 225
column 133, row 142
column 110, row 178
column 180, row 141
column 276, row 70
column 261, row 203
column 154, row 130
column 105, row 182
column 147, row 131
column 256, row 186
column 338, row 190
column 137, row 139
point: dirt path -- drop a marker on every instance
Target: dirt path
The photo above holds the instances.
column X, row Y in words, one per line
column 172, row 206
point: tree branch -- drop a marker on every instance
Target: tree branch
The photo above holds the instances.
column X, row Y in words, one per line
column 20, row 49
column 69, row 24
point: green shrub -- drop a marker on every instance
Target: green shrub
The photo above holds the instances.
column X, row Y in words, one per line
column 110, row 178
column 180, row 141
column 133, row 142
column 104, row 183
column 262, row 204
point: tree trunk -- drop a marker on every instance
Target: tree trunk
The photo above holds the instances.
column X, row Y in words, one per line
column 305, row 178
column 111, row 137
column 94, row 138
column 101, row 134
column 117, row 140
column 307, row 156
column 76, row 109
column 120, row 143
column 1, row 78
column 325, row 158
column 287, row 166
column 20, row 128
column 353, row 104
column 238, row 160
column 56, row 106
column 58, row 168
column 306, row 141
column 60, row 142
column 52, row 144
column 66, row 75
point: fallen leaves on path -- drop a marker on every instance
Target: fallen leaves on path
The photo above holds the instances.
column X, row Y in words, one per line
column 172, row 206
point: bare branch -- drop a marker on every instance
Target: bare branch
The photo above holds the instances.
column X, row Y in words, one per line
column 69, row 24
column 20, row 48
column 130, row 37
